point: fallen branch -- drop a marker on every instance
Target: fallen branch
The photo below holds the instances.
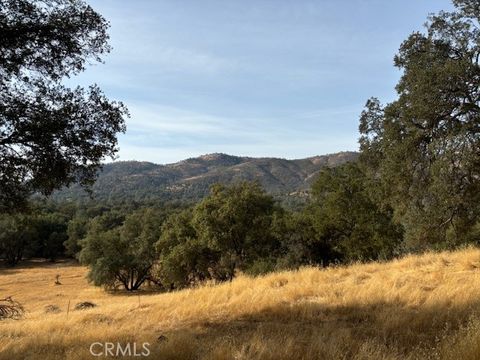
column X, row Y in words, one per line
column 10, row 309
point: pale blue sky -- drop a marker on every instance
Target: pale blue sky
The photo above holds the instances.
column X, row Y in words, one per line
column 258, row 78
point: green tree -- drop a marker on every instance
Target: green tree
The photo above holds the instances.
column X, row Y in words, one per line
column 346, row 218
column 123, row 254
column 76, row 231
column 184, row 259
column 51, row 230
column 236, row 221
column 11, row 248
column 50, row 135
column 16, row 236
column 423, row 148
column 300, row 241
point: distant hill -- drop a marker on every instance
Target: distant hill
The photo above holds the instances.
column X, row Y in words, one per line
column 190, row 180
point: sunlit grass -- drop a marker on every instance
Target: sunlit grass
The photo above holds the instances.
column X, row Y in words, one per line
column 416, row 307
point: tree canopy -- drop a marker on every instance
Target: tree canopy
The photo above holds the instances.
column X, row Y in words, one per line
column 51, row 135
column 124, row 254
column 346, row 216
column 415, row 186
column 424, row 147
column 236, row 221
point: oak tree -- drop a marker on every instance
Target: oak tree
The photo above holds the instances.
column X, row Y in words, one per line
column 51, row 135
column 423, row 149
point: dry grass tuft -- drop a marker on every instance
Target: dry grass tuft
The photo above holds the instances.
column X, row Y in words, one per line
column 418, row 307
column 84, row 305
column 52, row 309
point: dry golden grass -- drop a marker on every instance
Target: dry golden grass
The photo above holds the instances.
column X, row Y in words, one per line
column 414, row 308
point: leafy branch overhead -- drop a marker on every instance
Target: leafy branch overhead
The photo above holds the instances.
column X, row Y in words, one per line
column 51, row 135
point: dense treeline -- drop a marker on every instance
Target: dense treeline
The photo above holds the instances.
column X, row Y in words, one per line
column 36, row 235
column 51, row 230
column 415, row 186
column 237, row 228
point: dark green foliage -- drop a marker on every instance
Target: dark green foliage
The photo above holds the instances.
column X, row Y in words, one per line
column 11, row 249
column 236, row 221
column 229, row 230
column 50, row 135
column 38, row 234
column 76, row 231
column 423, row 148
column 184, row 260
column 300, row 242
column 16, row 236
column 54, row 230
column 109, row 220
column 347, row 220
column 122, row 254
column 51, row 232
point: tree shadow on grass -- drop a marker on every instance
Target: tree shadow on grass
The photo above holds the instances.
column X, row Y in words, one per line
column 320, row 329
column 139, row 292
column 8, row 271
column 37, row 264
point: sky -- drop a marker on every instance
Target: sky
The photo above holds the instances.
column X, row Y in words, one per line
column 253, row 78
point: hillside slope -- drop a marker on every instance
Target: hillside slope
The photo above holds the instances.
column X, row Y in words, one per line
column 191, row 179
column 419, row 307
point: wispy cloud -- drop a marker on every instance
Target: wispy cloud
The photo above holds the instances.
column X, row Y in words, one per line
column 171, row 120
column 188, row 60
column 166, row 134
column 257, row 78
column 166, row 58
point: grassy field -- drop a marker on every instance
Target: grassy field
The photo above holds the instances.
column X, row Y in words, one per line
column 418, row 307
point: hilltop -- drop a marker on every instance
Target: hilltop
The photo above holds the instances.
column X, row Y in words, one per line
column 418, row 307
column 190, row 179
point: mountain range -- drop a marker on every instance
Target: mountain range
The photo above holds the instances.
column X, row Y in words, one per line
column 190, row 179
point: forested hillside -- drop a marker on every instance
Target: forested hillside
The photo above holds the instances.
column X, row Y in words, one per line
column 190, row 180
